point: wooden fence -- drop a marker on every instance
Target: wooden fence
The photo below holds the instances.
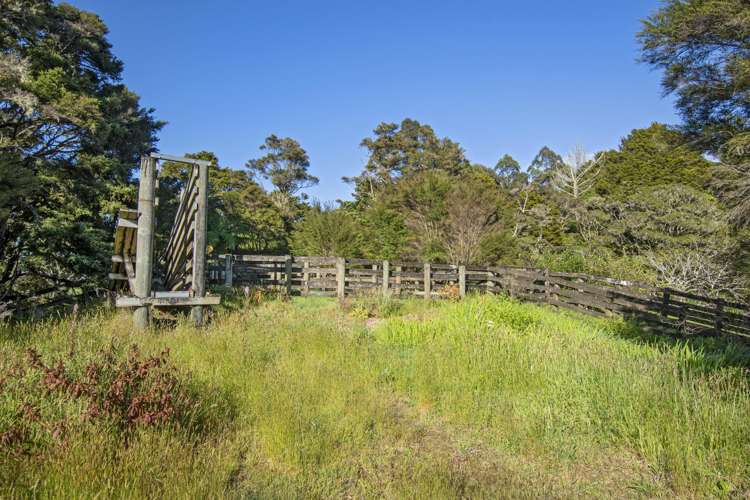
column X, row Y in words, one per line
column 181, row 257
column 184, row 259
column 661, row 309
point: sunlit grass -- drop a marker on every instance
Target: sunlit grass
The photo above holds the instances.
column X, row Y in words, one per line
column 481, row 398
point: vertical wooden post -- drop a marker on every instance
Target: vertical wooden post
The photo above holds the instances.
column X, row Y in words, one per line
column 199, row 240
column 681, row 319
column 665, row 305
column 427, row 281
column 277, row 275
column 228, row 271
column 462, row 281
column 398, row 279
column 386, row 276
column 145, row 242
column 340, row 277
column 305, row 278
column 375, row 275
column 490, row 284
column 719, row 319
column 546, row 286
column 511, row 291
column 288, row 273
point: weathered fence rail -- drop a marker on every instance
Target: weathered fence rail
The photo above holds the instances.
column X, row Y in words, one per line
column 184, row 259
column 655, row 308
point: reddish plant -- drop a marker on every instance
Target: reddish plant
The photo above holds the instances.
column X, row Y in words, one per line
column 137, row 391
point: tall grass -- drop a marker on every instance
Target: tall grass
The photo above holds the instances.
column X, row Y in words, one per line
column 481, row 398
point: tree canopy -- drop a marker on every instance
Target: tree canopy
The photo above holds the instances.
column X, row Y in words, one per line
column 703, row 48
column 70, row 135
column 669, row 196
column 285, row 164
column 401, row 150
column 654, row 156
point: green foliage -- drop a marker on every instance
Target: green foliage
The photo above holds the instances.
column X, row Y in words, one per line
column 481, row 398
column 732, row 185
column 499, row 247
column 594, row 260
column 384, row 231
column 285, row 165
column 241, row 215
column 509, row 172
column 71, row 137
column 543, row 164
column 703, row 47
column 327, row 231
column 657, row 218
column 449, row 216
column 401, row 150
column 655, row 156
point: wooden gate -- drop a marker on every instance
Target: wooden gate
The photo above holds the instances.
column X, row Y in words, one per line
column 184, row 260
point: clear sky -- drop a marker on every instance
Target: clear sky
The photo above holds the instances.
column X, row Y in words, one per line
column 496, row 76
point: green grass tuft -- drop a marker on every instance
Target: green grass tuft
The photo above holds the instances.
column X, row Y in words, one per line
column 479, row 398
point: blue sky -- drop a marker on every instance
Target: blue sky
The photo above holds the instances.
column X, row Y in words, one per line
column 498, row 77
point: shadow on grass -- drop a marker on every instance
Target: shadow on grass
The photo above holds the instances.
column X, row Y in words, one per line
column 703, row 353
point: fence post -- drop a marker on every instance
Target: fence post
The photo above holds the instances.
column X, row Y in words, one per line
column 665, row 306
column 340, row 277
column 228, row 270
column 199, row 250
column 491, row 285
column 719, row 320
column 306, row 278
column 145, row 241
column 427, row 281
column 546, row 286
column 386, row 276
column 462, row 281
column 288, row 273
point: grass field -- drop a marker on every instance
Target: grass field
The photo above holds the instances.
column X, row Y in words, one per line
column 303, row 398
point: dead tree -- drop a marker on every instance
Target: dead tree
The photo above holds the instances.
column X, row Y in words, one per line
column 577, row 173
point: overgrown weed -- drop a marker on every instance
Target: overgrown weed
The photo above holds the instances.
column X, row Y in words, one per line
column 482, row 397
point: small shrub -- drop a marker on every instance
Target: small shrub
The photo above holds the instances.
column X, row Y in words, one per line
column 361, row 310
column 373, row 306
column 253, row 295
column 450, row 292
column 50, row 397
column 389, row 306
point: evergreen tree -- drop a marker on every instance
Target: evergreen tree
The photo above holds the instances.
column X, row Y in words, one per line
column 509, row 173
column 654, row 156
column 327, row 231
column 71, row 135
column 703, row 47
column 286, row 165
column 542, row 166
column 401, row 150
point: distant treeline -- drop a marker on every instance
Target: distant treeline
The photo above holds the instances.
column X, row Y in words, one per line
column 670, row 206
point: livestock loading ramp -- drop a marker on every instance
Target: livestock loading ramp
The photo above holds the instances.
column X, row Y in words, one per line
column 184, row 261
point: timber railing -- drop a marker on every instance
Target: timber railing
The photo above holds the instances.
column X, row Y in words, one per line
column 660, row 309
column 179, row 255
column 184, row 258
